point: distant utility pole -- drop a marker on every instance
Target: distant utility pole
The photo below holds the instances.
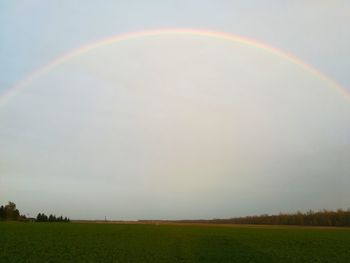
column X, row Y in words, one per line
column 105, row 218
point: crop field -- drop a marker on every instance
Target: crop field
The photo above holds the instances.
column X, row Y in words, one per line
column 55, row 242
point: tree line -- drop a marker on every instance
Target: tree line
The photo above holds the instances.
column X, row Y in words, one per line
column 41, row 217
column 319, row 218
column 339, row 218
column 10, row 212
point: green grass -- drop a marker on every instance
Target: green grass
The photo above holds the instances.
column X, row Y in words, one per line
column 54, row 242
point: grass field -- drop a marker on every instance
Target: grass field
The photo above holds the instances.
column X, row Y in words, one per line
column 54, row 242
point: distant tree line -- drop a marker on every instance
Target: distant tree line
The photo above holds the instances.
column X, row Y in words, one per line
column 310, row 218
column 10, row 212
column 41, row 217
column 339, row 218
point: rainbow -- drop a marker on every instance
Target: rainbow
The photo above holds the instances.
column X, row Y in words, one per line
column 134, row 35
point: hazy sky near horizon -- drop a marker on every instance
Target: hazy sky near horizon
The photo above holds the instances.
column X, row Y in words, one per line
column 174, row 126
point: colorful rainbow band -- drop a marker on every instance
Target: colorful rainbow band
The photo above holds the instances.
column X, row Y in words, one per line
column 128, row 36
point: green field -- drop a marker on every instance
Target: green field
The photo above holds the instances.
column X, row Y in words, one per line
column 54, row 242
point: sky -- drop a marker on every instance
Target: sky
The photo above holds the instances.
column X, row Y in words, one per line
column 174, row 125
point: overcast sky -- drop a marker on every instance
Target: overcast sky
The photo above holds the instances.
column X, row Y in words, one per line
column 174, row 125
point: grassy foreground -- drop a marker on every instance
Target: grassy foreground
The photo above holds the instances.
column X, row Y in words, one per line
column 54, row 242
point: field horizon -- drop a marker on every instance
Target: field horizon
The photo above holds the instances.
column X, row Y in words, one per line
column 199, row 223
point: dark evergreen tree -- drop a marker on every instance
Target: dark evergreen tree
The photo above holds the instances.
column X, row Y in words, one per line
column 39, row 218
column 2, row 213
